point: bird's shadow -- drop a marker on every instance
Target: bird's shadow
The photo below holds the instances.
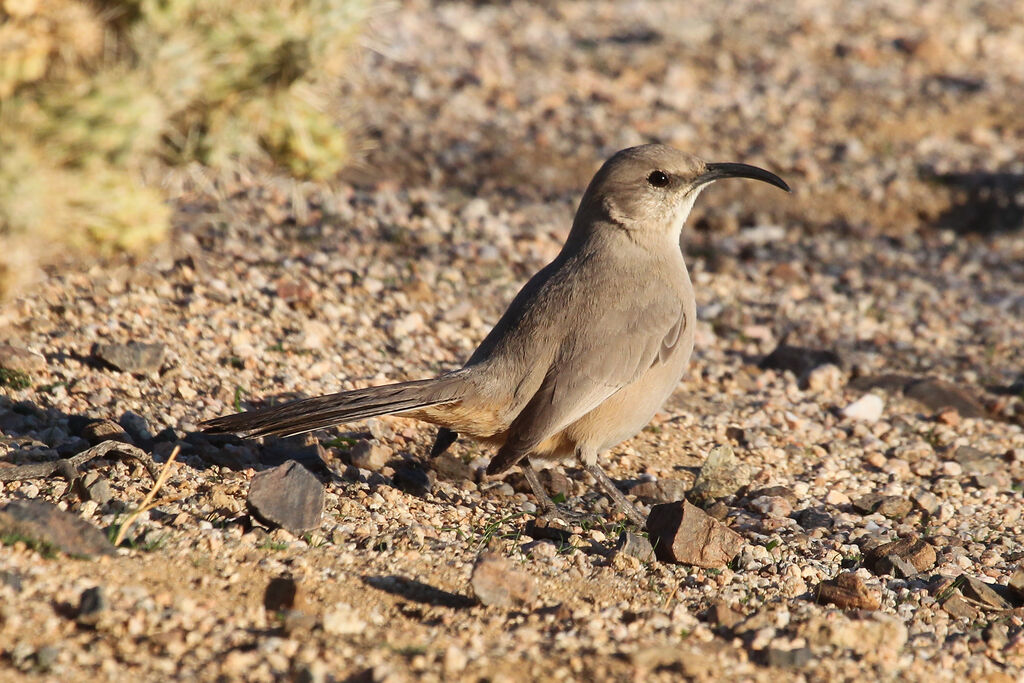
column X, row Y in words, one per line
column 417, row 591
column 984, row 202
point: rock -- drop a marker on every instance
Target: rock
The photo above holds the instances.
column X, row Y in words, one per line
column 21, row 360
column 867, row 504
column 282, row 595
column 288, row 496
column 660, row 491
column 718, row 510
column 976, row 589
column 45, row 526
column 1016, row 582
column 90, row 605
column 799, row 360
column 814, row 518
column 772, row 506
column 780, row 491
column 847, row 591
column 867, row 408
column 634, row 545
column 134, row 357
column 974, row 461
column 926, row 500
column 99, row 491
column 897, row 566
column 785, row 659
column 367, row 455
column 867, row 634
column 825, row 378
column 136, row 426
column 553, row 481
column 958, row 608
column 935, row 394
column 98, row 431
column 723, row 616
column 498, row 582
column 548, row 528
column 342, row 620
column 894, row 507
column 721, row 475
column 919, row 554
column 682, row 533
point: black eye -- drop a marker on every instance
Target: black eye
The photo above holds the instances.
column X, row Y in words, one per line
column 658, row 179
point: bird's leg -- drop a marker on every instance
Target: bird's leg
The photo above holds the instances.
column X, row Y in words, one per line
column 547, row 506
column 610, row 490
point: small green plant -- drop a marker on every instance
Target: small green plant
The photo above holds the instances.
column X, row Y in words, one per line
column 345, row 443
column 772, row 545
column 47, row 550
column 239, row 392
column 52, row 387
column 948, row 591
column 273, row 545
column 15, row 379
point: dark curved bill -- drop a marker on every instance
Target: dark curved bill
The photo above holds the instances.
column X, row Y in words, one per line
column 730, row 170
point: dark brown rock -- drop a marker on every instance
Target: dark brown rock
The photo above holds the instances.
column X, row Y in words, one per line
column 799, row 360
column 895, row 507
column 917, row 552
column 988, row 595
column 1016, row 582
column 720, row 614
column 958, row 608
column 634, row 545
column 497, row 582
column 133, row 357
column 935, row 394
column 46, row 526
column 661, row 491
column 98, row 431
column 682, row 533
column 288, row 496
column 814, row 518
column 548, row 528
column 867, row 504
column 775, row 492
column 847, row 591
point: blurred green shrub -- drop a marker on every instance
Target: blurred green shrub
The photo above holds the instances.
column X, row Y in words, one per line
column 94, row 92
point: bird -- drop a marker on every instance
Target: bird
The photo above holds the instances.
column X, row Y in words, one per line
column 585, row 354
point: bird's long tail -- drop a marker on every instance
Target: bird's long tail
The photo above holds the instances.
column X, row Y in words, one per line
column 305, row 415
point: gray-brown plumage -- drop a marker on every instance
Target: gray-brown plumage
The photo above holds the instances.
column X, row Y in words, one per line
column 586, row 353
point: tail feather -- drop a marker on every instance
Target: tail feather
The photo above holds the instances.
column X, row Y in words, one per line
column 305, row 415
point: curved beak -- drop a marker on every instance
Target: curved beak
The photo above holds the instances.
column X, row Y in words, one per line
column 730, row 170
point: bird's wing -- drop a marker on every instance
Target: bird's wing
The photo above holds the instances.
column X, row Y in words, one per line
column 616, row 347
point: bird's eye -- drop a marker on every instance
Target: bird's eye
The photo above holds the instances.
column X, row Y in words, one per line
column 658, row 179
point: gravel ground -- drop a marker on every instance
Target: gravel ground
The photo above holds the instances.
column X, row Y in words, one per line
column 901, row 252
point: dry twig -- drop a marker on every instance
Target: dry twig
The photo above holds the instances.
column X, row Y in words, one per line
column 147, row 502
column 45, row 469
